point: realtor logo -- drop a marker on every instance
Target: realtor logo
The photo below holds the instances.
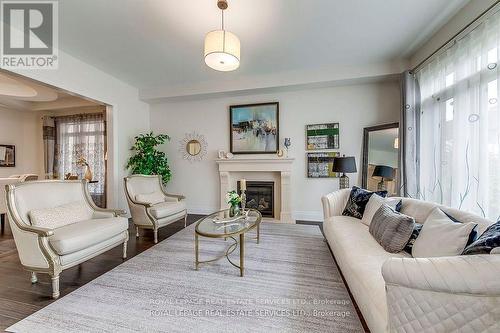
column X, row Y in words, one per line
column 29, row 35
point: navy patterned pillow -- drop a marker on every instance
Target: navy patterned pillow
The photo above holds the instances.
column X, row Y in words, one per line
column 358, row 199
column 416, row 231
column 486, row 242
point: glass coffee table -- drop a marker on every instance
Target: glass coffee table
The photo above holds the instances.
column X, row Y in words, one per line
column 219, row 225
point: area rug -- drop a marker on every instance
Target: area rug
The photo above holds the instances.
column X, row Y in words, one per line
column 291, row 284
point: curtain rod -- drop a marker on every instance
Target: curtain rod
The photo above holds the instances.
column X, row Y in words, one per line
column 465, row 30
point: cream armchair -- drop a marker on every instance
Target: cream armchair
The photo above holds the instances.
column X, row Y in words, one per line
column 168, row 208
column 52, row 250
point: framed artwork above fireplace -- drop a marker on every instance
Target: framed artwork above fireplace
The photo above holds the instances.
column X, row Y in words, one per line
column 254, row 128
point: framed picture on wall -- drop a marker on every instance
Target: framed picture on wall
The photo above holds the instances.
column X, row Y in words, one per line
column 322, row 136
column 7, row 156
column 254, row 128
column 319, row 165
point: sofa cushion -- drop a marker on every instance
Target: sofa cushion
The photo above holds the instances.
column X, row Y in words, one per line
column 375, row 202
column 360, row 259
column 357, row 201
column 441, row 237
column 391, row 229
column 59, row 216
column 150, row 198
column 489, row 240
column 78, row 236
column 166, row 209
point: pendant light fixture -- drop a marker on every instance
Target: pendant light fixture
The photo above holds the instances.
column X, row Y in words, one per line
column 222, row 48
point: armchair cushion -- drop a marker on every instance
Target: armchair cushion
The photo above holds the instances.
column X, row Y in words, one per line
column 166, row 209
column 59, row 216
column 150, row 198
column 81, row 235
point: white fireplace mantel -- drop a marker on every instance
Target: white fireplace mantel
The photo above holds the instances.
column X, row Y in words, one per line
column 281, row 166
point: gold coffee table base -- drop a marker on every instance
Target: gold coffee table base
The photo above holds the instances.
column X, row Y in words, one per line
column 230, row 249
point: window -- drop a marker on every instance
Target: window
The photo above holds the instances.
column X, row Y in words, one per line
column 77, row 137
column 460, row 124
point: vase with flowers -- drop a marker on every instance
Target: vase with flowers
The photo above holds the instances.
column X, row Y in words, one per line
column 233, row 199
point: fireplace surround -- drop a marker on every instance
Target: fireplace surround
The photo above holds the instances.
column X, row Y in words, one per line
column 278, row 170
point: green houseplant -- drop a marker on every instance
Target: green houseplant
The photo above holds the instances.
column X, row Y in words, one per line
column 148, row 160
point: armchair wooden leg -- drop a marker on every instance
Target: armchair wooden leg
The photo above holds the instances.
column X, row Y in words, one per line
column 136, row 231
column 34, row 278
column 2, row 222
column 156, row 235
column 124, row 256
column 55, row 286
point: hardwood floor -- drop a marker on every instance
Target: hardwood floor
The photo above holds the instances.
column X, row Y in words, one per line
column 19, row 298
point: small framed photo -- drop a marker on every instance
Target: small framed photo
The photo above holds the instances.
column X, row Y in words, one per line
column 7, row 156
column 254, row 128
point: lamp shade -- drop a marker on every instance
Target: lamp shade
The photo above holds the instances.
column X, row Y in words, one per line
column 345, row 164
column 222, row 50
column 383, row 171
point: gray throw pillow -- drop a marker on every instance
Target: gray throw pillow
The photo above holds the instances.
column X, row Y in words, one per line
column 391, row 229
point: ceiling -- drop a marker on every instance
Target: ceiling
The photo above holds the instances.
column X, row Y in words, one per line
column 152, row 43
column 24, row 94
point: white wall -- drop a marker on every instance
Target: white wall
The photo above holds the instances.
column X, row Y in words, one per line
column 130, row 116
column 21, row 128
column 354, row 106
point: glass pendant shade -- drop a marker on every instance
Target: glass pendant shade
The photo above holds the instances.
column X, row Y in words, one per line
column 222, row 50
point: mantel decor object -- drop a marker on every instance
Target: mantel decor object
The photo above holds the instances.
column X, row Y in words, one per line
column 344, row 165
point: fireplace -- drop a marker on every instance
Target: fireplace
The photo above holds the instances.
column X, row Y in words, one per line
column 260, row 196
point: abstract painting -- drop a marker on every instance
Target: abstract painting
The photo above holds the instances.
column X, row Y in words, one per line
column 322, row 136
column 319, row 165
column 254, row 128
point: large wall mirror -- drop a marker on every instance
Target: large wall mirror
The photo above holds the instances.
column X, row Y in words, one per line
column 381, row 158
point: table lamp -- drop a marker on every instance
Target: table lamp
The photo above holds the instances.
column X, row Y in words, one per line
column 385, row 173
column 345, row 165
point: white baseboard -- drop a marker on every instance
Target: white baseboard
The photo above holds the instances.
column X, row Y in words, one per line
column 308, row 215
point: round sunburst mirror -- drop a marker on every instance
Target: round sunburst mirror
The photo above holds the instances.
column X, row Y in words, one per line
column 193, row 147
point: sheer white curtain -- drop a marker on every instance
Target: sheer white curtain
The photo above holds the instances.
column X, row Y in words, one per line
column 460, row 123
column 82, row 136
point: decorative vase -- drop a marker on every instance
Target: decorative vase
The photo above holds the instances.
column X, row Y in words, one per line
column 234, row 210
column 88, row 174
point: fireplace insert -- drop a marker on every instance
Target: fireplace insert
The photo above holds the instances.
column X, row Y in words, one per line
column 260, row 196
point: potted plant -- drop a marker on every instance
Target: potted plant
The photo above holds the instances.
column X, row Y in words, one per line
column 233, row 199
column 148, row 160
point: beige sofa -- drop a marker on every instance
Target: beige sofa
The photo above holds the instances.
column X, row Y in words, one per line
column 398, row 293
column 51, row 251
